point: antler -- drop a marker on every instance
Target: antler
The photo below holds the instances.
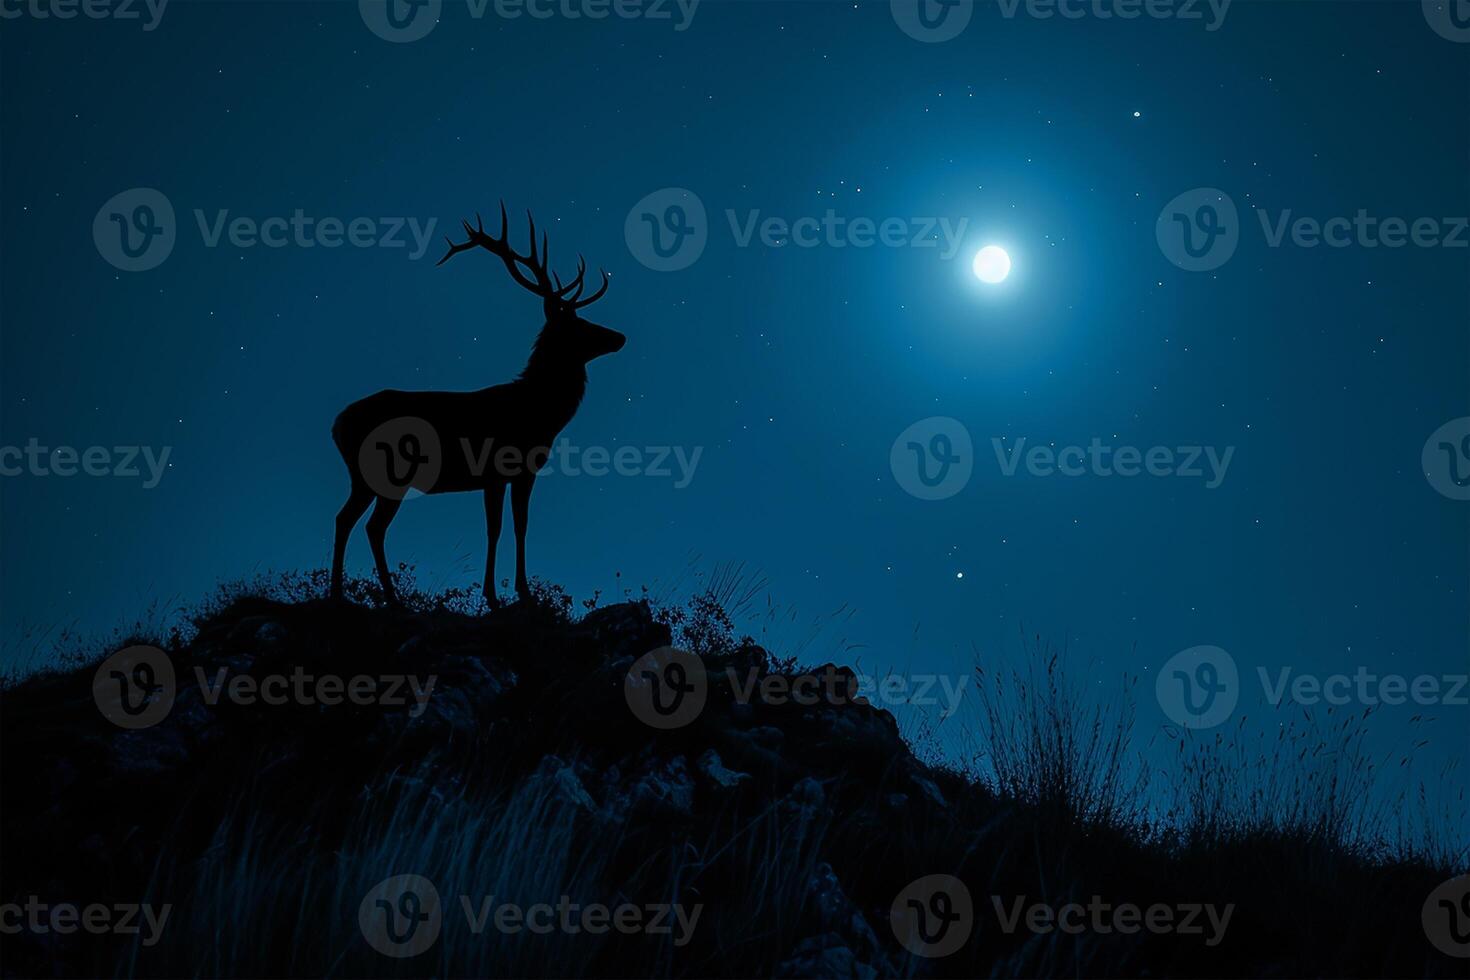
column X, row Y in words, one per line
column 539, row 282
column 576, row 298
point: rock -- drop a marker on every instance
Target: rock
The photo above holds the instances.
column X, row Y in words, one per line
column 929, row 788
column 808, row 792
column 825, row 893
column 837, row 914
column 466, row 689
column 749, row 658
column 624, row 629
column 824, row 955
column 563, row 783
column 748, row 755
column 766, row 735
column 666, row 788
column 712, row 767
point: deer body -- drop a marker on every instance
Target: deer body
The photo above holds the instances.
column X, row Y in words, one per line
column 473, row 427
column 486, row 440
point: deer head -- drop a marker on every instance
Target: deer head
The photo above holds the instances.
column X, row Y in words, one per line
column 566, row 339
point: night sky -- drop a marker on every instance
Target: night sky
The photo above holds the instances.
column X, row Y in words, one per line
column 792, row 369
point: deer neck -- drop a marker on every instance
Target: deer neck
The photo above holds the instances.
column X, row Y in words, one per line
column 555, row 383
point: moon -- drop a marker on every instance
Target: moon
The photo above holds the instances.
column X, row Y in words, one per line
column 992, row 264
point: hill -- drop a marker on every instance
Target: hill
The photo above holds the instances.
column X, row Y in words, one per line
column 345, row 790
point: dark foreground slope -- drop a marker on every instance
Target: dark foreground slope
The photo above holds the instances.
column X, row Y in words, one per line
column 267, row 829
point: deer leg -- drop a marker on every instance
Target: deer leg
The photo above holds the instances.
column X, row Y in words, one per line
column 347, row 518
column 494, row 509
column 520, row 512
column 377, row 530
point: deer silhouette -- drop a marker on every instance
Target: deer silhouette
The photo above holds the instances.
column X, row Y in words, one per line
column 396, row 443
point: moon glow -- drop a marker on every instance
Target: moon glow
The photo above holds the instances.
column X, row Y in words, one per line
column 992, row 264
